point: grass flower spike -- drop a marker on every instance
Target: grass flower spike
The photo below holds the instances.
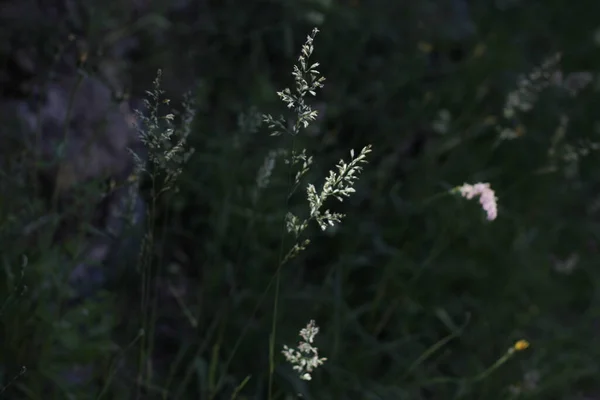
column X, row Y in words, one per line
column 486, row 195
column 338, row 185
column 305, row 357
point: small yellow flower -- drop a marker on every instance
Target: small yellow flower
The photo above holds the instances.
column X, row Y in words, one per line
column 521, row 345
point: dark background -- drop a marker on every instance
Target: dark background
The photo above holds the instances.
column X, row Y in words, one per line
column 416, row 294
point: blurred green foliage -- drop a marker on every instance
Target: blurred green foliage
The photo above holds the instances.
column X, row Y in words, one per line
column 414, row 294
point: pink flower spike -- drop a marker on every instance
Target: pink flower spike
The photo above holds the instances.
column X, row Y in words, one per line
column 486, row 195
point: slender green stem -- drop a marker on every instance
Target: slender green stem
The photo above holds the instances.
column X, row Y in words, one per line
column 146, row 259
column 278, row 280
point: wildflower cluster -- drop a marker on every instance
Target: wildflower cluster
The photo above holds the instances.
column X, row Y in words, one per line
column 567, row 154
column 487, row 197
column 523, row 98
column 305, row 357
column 528, row 87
